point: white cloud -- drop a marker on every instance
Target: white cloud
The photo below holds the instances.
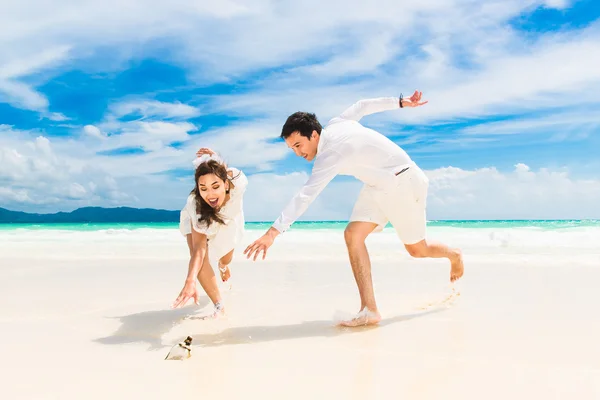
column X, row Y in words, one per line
column 371, row 52
column 73, row 173
column 505, row 82
column 487, row 193
column 558, row 4
column 573, row 121
column 57, row 117
column 464, row 56
column 93, row 131
column 18, row 64
column 22, row 96
column 454, row 193
column 15, row 196
column 40, row 174
column 161, row 124
column 35, row 177
column 152, row 108
column 514, row 83
column 150, row 136
column 248, row 145
column 28, row 63
column 336, row 38
column 555, row 127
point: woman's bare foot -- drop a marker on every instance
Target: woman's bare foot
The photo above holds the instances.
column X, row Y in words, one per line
column 218, row 311
column 212, row 315
column 457, row 267
column 225, row 272
column 364, row 317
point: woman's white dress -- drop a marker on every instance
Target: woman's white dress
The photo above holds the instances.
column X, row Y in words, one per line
column 221, row 238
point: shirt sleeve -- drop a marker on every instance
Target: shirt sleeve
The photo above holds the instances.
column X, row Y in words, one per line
column 370, row 106
column 240, row 180
column 324, row 170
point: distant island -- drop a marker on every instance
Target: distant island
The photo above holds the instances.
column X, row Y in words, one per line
column 91, row 215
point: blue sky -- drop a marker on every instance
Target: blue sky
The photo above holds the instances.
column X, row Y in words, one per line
column 104, row 104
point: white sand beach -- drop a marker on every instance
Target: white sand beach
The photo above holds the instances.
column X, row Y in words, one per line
column 85, row 315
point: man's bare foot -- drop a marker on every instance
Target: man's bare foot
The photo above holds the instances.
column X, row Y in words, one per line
column 364, row 317
column 225, row 272
column 457, row 267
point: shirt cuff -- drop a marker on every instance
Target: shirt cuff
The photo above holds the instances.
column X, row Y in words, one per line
column 281, row 227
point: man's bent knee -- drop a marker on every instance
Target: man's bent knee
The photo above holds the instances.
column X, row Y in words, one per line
column 417, row 250
column 357, row 232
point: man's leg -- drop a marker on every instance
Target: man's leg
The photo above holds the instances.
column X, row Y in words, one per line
column 355, row 235
column 366, row 218
column 424, row 248
column 407, row 212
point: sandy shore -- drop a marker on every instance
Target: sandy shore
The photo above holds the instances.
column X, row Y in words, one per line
column 86, row 315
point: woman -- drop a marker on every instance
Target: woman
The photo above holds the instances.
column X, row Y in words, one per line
column 213, row 223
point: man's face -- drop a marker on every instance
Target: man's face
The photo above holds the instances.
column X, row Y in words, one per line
column 302, row 146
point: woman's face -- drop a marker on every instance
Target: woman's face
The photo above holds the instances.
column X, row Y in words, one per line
column 212, row 189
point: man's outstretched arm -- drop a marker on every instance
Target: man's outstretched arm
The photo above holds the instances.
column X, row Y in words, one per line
column 326, row 168
column 371, row 106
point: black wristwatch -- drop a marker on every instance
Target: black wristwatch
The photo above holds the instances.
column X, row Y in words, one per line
column 401, row 106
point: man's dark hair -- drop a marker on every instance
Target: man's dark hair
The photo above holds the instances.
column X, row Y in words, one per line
column 302, row 122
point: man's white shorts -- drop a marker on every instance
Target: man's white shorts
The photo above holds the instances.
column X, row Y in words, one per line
column 403, row 204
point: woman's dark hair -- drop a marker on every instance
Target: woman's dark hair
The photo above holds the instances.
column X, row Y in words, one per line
column 208, row 214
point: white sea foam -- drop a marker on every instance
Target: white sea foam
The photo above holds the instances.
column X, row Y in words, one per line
column 488, row 238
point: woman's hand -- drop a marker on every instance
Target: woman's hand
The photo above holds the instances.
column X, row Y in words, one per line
column 188, row 292
column 204, row 150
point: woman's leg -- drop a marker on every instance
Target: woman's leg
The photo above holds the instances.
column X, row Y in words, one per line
column 188, row 237
column 224, row 266
column 208, row 281
column 206, row 276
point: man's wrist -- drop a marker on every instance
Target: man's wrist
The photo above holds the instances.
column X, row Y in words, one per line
column 272, row 233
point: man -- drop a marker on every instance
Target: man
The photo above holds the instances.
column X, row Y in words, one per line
column 395, row 190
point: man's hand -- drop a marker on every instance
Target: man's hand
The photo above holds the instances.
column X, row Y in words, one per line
column 204, row 150
column 261, row 244
column 414, row 100
column 188, row 292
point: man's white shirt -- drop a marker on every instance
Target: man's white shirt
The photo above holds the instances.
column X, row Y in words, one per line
column 348, row 148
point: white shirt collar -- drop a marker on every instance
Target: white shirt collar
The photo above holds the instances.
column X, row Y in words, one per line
column 321, row 140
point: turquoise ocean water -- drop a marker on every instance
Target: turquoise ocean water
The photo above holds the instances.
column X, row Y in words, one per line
column 318, row 225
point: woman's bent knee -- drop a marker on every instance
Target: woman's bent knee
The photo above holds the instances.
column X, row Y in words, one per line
column 226, row 259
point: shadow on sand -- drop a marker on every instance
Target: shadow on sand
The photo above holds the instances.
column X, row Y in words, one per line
column 149, row 326
column 323, row 328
